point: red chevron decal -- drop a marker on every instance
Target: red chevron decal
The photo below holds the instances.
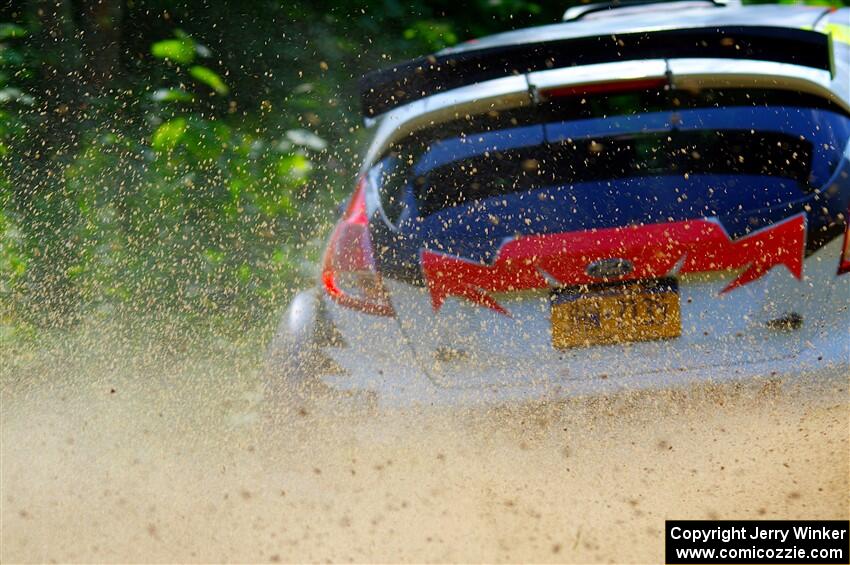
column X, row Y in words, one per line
column 655, row 250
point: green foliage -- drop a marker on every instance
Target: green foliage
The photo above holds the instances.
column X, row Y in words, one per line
column 168, row 135
column 178, row 50
column 11, row 31
column 209, row 78
column 435, row 35
column 172, row 95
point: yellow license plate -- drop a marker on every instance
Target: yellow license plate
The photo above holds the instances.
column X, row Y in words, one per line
column 618, row 313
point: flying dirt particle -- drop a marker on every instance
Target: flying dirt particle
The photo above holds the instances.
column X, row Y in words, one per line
column 112, row 391
column 556, row 549
column 274, row 558
column 441, row 457
column 794, row 495
column 317, row 471
column 23, row 514
column 245, row 494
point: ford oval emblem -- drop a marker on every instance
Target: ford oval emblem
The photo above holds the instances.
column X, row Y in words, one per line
column 613, row 268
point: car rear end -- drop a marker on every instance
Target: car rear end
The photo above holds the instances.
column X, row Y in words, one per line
column 609, row 224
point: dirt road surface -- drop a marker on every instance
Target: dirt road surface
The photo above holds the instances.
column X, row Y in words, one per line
column 130, row 453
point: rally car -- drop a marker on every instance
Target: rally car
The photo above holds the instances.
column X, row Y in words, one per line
column 643, row 195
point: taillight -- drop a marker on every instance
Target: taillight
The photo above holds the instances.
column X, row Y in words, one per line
column 348, row 273
column 844, row 262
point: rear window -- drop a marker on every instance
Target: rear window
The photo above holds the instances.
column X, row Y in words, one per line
column 599, row 139
column 569, row 162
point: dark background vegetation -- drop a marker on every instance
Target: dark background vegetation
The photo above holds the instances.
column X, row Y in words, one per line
column 182, row 160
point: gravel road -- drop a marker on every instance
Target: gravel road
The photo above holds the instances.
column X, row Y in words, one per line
column 132, row 453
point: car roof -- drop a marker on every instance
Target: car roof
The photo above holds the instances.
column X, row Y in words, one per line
column 797, row 17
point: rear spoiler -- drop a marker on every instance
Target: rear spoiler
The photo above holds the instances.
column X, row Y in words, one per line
column 383, row 90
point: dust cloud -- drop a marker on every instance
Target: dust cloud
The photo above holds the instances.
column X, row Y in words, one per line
column 119, row 451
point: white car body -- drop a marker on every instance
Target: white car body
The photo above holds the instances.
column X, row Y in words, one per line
column 781, row 325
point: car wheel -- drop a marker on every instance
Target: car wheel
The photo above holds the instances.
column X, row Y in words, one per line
column 294, row 359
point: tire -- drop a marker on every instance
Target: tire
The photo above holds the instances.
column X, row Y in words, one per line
column 294, row 358
column 296, row 363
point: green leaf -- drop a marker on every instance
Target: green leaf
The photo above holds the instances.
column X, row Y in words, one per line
column 434, row 35
column 10, row 94
column 11, row 58
column 168, row 135
column 180, row 50
column 210, row 78
column 11, row 31
column 172, row 95
column 296, row 167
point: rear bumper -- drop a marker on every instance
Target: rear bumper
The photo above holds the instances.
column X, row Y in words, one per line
column 398, row 382
column 379, row 357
